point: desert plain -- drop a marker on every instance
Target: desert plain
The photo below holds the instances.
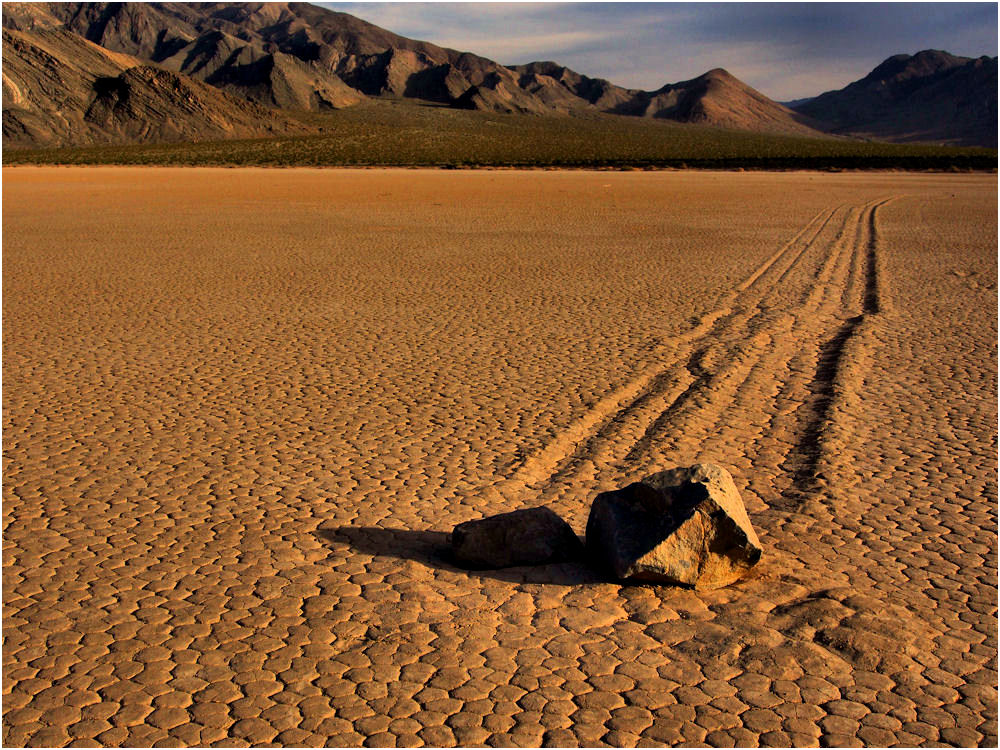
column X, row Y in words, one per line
column 243, row 408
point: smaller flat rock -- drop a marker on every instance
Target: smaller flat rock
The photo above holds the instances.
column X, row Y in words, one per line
column 531, row 536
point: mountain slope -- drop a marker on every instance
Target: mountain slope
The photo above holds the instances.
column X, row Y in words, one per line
column 210, row 42
column 930, row 96
column 59, row 89
column 288, row 55
column 298, row 56
column 717, row 98
column 601, row 94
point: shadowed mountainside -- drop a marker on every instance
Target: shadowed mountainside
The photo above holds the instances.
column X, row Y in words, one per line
column 60, row 89
column 929, row 96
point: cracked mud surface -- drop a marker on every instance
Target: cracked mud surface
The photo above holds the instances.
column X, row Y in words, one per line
column 243, row 408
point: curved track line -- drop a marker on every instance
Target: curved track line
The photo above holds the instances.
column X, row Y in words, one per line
column 752, row 278
column 720, row 365
column 544, row 463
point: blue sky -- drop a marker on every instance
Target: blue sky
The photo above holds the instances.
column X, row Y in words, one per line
column 786, row 50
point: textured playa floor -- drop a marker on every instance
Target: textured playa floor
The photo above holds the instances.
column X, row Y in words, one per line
column 243, row 408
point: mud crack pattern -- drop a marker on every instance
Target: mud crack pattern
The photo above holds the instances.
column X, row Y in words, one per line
column 236, row 435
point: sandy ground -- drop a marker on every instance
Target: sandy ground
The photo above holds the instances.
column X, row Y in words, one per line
column 243, row 408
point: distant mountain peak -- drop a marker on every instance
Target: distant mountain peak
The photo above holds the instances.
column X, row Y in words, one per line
column 719, row 74
column 923, row 63
column 929, row 96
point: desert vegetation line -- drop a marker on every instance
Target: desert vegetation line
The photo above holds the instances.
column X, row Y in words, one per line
column 411, row 136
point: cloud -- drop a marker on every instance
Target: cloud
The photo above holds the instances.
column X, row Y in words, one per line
column 526, row 47
column 787, row 50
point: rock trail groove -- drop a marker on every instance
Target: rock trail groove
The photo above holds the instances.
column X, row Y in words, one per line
column 826, row 278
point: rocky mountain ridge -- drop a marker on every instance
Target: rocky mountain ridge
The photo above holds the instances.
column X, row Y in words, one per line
column 929, row 96
column 261, row 60
column 60, row 89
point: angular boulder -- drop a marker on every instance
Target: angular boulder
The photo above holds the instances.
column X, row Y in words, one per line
column 685, row 526
column 532, row 536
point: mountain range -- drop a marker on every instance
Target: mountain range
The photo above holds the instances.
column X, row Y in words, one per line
column 81, row 73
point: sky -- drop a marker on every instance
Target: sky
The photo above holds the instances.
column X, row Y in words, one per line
column 785, row 50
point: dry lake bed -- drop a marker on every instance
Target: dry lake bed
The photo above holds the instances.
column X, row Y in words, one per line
column 243, row 408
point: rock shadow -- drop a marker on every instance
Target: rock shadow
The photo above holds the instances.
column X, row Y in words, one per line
column 433, row 549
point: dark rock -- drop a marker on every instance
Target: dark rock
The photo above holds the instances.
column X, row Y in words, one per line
column 684, row 526
column 532, row 536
